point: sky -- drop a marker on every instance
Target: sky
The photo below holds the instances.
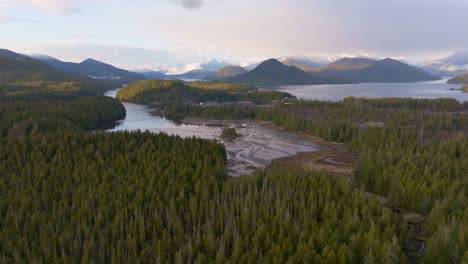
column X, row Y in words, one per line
column 154, row 34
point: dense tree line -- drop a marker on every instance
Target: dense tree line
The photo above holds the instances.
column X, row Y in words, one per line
column 439, row 104
column 139, row 197
column 50, row 90
column 416, row 158
column 24, row 118
column 176, row 92
column 340, row 121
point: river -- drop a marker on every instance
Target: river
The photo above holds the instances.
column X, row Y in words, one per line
column 257, row 147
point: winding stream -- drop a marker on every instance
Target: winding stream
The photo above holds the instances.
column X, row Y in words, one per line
column 257, row 147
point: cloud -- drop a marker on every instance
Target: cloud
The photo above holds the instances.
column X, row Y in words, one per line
column 128, row 57
column 50, row 6
column 190, row 4
column 9, row 19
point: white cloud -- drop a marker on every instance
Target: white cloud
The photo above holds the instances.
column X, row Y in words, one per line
column 190, row 4
column 52, row 6
column 127, row 57
column 9, row 19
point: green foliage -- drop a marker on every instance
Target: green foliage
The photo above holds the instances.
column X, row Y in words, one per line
column 230, row 87
column 180, row 92
column 24, row 118
column 176, row 98
column 25, row 69
column 343, row 121
column 50, row 90
column 21, row 71
column 460, row 79
column 439, row 104
column 229, row 133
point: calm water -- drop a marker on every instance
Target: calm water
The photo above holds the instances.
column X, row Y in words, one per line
column 434, row 89
column 257, row 147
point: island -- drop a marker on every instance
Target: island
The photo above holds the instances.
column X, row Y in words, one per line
column 230, row 133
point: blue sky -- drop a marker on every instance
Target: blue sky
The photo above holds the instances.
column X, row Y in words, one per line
column 140, row 34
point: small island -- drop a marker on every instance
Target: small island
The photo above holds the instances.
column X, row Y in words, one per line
column 230, row 133
column 465, row 89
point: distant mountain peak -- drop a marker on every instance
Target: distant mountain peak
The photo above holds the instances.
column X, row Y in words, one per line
column 213, row 65
column 368, row 70
column 272, row 72
column 454, row 64
column 348, row 60
column 92, row 61
column 273, row 62
column 94, row 69
column 230, row 71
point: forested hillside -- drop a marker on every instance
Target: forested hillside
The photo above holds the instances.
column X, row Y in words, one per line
column 459, row 79
column 177, row 98
column 416, row 157
column 94, row 69
column 18, row 70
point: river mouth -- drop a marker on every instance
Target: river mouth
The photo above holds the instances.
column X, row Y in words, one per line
column 258, row 146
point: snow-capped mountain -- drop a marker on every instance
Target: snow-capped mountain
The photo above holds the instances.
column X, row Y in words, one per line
column 449, row 66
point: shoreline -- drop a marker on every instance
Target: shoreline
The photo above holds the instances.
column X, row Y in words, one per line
column 334, row 157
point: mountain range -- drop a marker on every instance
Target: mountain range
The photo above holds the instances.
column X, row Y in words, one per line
column 16, row 68
column 366, row 70
column 31, row 77
column 291, row 71
column 449, row 66
column 93, row 69
column 273, row 72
